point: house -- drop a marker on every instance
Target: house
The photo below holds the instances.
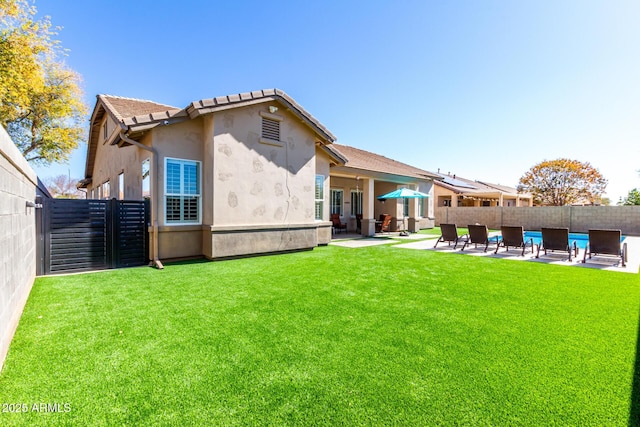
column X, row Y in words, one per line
column 237, row 175
column 455, row 191
column 226, row 176
column 363, row 176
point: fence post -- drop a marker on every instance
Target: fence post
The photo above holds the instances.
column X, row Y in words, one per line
column 113, row 225
column 46, row 231
column 147, row 224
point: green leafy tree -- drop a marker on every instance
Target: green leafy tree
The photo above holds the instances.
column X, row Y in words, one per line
column 632, row 199
column 40, row 98
column 563, row 182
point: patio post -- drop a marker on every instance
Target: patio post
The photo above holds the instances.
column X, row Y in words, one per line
column 368, row 198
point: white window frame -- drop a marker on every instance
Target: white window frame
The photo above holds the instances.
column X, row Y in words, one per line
column 121, row 186
column 106, row 190
column 145, row 181
column 406, row 208
column 182, row 162
column 422, row 204
column 340, row 206
column 356, row 202
column 319, row 198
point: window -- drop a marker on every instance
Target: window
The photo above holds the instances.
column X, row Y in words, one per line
column 146, row 178
column 446, row 202
column 121, row 186
column 182, row 191
column 421, row 208
column 336, row 201
column 405, row 207
column 356, row 202
column 99, row 192
column 105, row 130
column 319, row 196
column 106, row 190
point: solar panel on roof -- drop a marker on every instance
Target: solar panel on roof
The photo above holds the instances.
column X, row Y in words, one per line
column 457, row 183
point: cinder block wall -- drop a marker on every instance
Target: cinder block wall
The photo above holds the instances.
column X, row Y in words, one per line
column 17, row 238
column 578, row 219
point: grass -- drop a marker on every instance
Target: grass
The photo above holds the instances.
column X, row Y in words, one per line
column 334, row 336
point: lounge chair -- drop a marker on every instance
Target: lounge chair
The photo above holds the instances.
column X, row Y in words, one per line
column 479, row 235
column 383, row 224
column 514, row 236
column 606, row 242
column 450, row 234
column 337, row 224
column 557, row 239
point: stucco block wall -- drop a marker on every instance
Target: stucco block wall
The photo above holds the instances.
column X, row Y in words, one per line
column 17, row 238
column 578, row 219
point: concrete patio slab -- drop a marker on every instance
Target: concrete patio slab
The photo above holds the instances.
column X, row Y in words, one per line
column 362, row 242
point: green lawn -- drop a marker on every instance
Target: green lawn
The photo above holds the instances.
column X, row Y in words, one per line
column 333, row 336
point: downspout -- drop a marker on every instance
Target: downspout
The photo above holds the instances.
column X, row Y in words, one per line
column 154, row 198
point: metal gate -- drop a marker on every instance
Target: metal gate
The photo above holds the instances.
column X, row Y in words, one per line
column 81, row 235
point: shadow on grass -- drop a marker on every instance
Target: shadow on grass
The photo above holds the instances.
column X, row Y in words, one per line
column 634, row 412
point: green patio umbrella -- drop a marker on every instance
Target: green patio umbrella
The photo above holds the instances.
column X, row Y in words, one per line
column 403, row 193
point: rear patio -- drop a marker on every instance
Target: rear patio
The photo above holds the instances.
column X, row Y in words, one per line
column 426, row 241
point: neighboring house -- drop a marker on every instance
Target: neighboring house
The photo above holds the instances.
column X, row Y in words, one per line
column 227, row 176
column 454, row 191
column 356, row 184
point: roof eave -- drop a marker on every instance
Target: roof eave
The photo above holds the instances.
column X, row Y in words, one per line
column 221, row 103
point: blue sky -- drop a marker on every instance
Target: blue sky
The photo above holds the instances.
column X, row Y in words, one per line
column 482, row 89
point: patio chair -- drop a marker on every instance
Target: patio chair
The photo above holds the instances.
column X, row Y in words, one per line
column 557, row 239
column 479, row 235
column 514, row 236
column 606, row 242
column 384, row 224
column 337, row 224
column 450, row 234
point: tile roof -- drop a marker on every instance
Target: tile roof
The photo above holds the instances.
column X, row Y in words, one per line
column 122, row 107
column 132, row 112
column 208, row 105
column 368, row 161
column 139, row 114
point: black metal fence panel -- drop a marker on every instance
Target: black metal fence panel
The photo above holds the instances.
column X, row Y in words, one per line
column 82, row 235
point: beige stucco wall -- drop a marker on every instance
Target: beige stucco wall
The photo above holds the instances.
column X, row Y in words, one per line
column 17, row 238
column 111, row 160
column 183, row 141
column 262, row 195
column 258, row 183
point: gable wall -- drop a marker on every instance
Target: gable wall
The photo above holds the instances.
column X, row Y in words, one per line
column 257, row 183
column 110, row 161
